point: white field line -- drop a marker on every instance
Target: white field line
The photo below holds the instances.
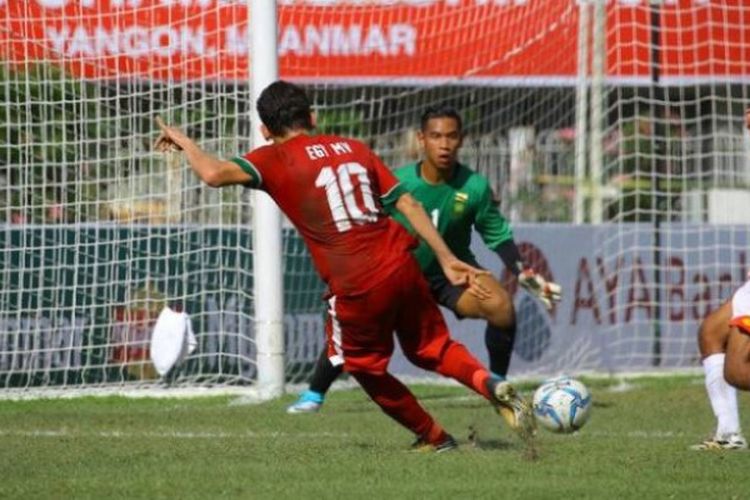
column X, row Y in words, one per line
column 635, row 434
column 64, row 433
column 251, row 394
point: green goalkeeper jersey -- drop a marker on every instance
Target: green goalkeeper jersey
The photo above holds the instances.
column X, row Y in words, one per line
column 454, row 207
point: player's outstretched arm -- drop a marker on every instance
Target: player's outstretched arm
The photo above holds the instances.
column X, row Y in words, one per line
column 747, row 118
column 211, row 170
column 457, row 272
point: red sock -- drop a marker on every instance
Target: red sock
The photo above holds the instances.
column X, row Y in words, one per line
column 400, row 404
column 458, row 363
column 435, row 435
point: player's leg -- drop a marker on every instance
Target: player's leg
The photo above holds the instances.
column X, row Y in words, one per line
column 737, row 367
column 712, row 343
column 361, row 332
column 326, row 372
column 500, row 332
column 396, row 401
column 737, row 373
column 425, row 341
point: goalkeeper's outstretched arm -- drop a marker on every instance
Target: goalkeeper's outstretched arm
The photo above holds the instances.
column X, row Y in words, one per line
column 497, row 234
column 547, row 291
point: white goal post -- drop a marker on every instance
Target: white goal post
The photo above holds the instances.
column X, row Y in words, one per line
column 610, row 131
column 268, row 285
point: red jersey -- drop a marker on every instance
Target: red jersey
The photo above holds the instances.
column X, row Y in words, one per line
column 333, row 189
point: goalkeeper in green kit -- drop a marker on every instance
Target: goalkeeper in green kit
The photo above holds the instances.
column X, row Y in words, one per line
column 457, row 199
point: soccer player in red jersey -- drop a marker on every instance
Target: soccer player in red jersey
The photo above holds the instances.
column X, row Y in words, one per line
column 459, row 202
column 333, row 189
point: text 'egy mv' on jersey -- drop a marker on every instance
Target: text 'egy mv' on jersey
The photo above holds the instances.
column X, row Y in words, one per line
column 465, row 201
column 333, row 189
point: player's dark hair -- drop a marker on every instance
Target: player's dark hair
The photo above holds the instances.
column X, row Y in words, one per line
column 441, row 111
column 283, row 106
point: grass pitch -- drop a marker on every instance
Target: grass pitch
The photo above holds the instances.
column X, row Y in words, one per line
column 634, row 446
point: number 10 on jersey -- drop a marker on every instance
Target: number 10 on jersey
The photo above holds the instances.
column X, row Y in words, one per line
column 340, row 192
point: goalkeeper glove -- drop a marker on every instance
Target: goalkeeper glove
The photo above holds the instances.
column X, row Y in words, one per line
column 547, row 291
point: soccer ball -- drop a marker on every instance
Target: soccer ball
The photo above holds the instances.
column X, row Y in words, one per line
column 562, row 404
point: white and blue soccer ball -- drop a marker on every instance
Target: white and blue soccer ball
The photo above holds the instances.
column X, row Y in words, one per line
column 562, row 404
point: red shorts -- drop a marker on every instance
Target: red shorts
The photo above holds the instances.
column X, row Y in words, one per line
column 360, row 328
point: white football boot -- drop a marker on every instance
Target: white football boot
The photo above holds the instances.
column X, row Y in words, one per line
column 734, row 441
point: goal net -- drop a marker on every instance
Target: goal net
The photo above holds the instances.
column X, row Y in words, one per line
column 675, row 167
column 99, row 232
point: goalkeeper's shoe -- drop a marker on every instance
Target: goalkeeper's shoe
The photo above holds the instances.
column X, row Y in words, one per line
column 734, row 441
column 423, row 446
column 308, row 402
column 513, row 408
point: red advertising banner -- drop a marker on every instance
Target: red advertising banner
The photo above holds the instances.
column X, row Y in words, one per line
column 492, row 42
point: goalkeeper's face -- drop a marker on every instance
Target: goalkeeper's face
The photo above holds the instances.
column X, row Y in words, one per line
column 441, row 140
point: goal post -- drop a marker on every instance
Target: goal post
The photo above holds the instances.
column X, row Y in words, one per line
column 268, row 289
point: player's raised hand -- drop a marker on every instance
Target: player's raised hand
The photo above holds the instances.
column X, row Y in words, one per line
column 477, row 288
column 461, row 273
column 548, row 292
column 170, row 139
column 747, row 118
